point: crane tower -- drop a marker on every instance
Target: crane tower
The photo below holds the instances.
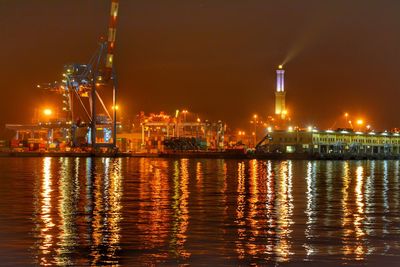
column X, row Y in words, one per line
column 85, row 85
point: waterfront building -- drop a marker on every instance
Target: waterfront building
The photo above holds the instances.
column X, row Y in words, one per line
column 341, row 141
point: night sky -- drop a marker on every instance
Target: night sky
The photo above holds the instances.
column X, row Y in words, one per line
column 214, row 57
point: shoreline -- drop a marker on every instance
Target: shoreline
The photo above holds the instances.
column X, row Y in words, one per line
column 205, row 155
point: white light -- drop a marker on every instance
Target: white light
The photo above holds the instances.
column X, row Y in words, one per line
column 329, row 131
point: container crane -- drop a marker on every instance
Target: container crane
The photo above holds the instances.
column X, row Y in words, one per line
column 81, row 81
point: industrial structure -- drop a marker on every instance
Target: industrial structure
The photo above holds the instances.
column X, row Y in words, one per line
column 179, row 132
column 87, row 123
column 88, row 120
column 284, row 139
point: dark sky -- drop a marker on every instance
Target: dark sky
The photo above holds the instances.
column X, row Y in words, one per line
column 214, row 57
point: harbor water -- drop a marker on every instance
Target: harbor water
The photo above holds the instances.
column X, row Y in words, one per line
column 207, row 212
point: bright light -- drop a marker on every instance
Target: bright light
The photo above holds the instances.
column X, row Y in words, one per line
column 198, row 120
column 255, row 116
column 269, row 129
column 368, row 127
column 115, row 107
column 346, row 114
column 47, row 112
column 309, row 128
column 360, row 122
column 290, row 129
column 280, row 67
column 285, row 112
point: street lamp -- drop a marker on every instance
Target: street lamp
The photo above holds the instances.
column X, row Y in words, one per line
column 184, row 112
column 47, row 112
column 255, row 116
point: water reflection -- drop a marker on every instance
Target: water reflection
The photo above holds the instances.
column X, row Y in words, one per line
column 240, row 211
column 46, row 224
column 385, row 200
column 180, row 207
column 183, row 211
column 285, row 212
column 369, row 200
column 310, row 211
column 270, row 207
column 359, row 216
column 105, row 228
column 62, row 233
column 264, row 211
column 67, row 208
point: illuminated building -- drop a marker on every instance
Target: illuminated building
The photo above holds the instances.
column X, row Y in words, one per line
column 340, row 142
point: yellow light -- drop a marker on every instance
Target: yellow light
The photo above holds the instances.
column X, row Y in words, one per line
column 115, row 107
column 360, row 122
column 47, row 112
column 255, row 116
column 198, row 120
column 280, row 67
column 285, row 112
column 346, row 114
column 309, row 128
column 269, row 129
column 290, row 129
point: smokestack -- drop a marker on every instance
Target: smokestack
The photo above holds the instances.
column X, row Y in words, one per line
column 280, row 108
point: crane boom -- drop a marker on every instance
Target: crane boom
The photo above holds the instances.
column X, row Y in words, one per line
column 112, row 31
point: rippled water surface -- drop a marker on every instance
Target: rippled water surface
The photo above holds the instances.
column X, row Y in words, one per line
column 84, row 211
